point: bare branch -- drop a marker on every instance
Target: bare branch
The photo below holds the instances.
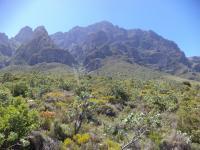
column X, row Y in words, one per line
column 134, row 139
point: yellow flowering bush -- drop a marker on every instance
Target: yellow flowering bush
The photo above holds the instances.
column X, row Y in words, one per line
column 68, row 142
column 55, row 94
column 81, row 138
column 112, row 145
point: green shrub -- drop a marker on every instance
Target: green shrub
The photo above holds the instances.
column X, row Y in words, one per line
column 16, row 121
column 112, row 145
column 7, row 77
column 5, row 96
column 189, row 120
column 155, row 137
column 20, row 89
column 118, row 93
column 66, row 86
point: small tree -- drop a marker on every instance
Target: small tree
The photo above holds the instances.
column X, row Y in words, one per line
column 139, row 124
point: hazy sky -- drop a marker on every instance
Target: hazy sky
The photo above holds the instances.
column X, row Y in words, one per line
column 177, row 20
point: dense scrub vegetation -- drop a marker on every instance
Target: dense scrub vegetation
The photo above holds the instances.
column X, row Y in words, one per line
column 92, row 112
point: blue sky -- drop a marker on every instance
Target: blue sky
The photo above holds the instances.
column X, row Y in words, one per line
column 177, row 20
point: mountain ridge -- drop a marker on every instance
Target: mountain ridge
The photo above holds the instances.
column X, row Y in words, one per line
column 40, row 48
column 94, row 39
column 90, row 46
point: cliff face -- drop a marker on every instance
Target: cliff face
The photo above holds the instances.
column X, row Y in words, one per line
column 5, row 48
column 41, row 49
column 195, row 63
column 90, row 45
column 93, row 46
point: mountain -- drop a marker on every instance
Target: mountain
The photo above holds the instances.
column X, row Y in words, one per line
column 6, row 50
column 25, row 35
column 9, row 46
column 91, row 45
column 195, row 61
column 40, row 48
column 95, row 46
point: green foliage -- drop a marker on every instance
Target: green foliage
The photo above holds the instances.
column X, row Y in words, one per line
column 139, row 120
column 16, row 121
column 117, row 93
column 2, row 139
column 5, row 96
column 81, row 90
column 112, row 145
column 7, row 77
column 96, row 112
column 20, row 89
column 65, row 85
column 155, row 137
column 189, row 119
column 162, row 103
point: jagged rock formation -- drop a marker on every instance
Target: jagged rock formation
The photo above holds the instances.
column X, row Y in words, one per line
column 195, row 61
column 5, row 48
column 90, row 45
column 94, row 45
column 41, row 48
column 25, row 35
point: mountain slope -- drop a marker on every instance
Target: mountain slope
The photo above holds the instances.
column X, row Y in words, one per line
column 91, row 45
column 25, row 35
column 40, row 49
column 195, row 61
column 6, row 50
column 94, row 47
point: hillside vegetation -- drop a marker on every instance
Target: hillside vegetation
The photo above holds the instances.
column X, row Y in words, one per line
column 66, row 111
column 100, row 87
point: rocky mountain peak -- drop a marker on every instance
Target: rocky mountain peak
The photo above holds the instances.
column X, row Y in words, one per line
column 41, row 39
column 24, row 35
column 195, row 59
column 195, row 63
column 3, row 38
column 5, row 49
column 93, row 44
column 40, row 31
column 41, row 49
column 102, row 24
column 103, row 39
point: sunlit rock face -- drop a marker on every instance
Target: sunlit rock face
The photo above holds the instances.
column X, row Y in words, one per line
column 195, row 61
column 24, row 35
column 41, row 49
column 5, row 48
column 91, row 45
